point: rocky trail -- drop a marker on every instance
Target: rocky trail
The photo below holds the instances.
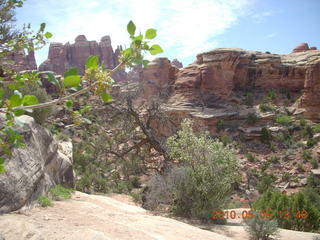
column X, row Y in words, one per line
column 99, row 217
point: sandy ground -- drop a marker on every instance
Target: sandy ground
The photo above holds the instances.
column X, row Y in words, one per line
column 95, row 217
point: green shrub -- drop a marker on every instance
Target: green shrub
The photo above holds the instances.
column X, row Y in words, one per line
column 302, row 121
column 267, row 107
column 261, row 228
column 316, row 128
column 286, row 139
column 265, row 182
column 314, row 163
column 278, row 203
column 272, row 95
column 220, row 125
column 284, row 120
column 306, row 155
column 248, row 100
column 311, row 142
column 251, row 157
column 308, row 131
column 44, row 201
column 204, row 180
column 274, row 159
column 59, row 193
column 266, row 136
column 252, row 119
column 40, row 115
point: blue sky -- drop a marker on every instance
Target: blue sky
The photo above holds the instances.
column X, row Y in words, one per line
column 185, row 27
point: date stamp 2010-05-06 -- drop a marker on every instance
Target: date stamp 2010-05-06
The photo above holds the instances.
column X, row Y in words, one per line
column 262, row 214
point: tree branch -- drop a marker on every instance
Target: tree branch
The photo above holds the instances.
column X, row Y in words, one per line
column 60, row 100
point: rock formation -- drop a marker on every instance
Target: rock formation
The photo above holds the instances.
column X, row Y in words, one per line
column 158, row 78
column 21, row 60
column 176, row 63
column 216, row 76
column 311, row 96
column 62, row 57
column 303, row 47
column 34, row 169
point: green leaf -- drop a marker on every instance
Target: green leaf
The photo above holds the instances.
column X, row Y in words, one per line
column 138, row 40
column 71, row 72
column 52, row 79
column 15, row 100
column 69, row 104
column 1, row 93
column 72, row 81
column 127, row 52
column 30, row 100
column 131, row 28
column 2, row 160
column 151, row 33
column 48, row 35
column 42, row 27
column 106, row 97
column 92, row 62
column 155, row 49
column 2, row 169
column 19, row 112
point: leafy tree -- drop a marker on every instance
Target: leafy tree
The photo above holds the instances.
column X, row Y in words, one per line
column 96, row 80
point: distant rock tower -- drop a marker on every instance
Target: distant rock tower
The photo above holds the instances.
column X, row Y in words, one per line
column 62, row 57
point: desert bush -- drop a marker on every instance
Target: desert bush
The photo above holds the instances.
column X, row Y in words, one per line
column 267, row 107
column 261, row 228
column 266, row 136
column 44, row 201
column 40, row 115
column 274, row 159
column 265, row 182
column 296, row 205
column 204, row 179
column 252, row 119
column 311, row 142
column 59, row 193
column 306, row 155
column 272, row 95
column 284, row 120
column 220, row 125
column 248, row 99
column 251, row 157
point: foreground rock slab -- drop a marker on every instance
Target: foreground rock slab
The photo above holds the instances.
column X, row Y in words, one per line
column 33, row 169
column 97, row 217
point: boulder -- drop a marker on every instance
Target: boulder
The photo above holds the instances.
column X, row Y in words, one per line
column 33, row 169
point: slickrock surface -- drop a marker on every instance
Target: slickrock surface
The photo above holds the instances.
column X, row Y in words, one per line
column 92, row 217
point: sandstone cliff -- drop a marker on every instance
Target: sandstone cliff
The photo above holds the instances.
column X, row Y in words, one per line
column 217, row 75
column 63, row 56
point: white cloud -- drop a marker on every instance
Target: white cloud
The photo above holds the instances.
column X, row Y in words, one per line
column 271, row 35
column 260, row 17
column 185, row 28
